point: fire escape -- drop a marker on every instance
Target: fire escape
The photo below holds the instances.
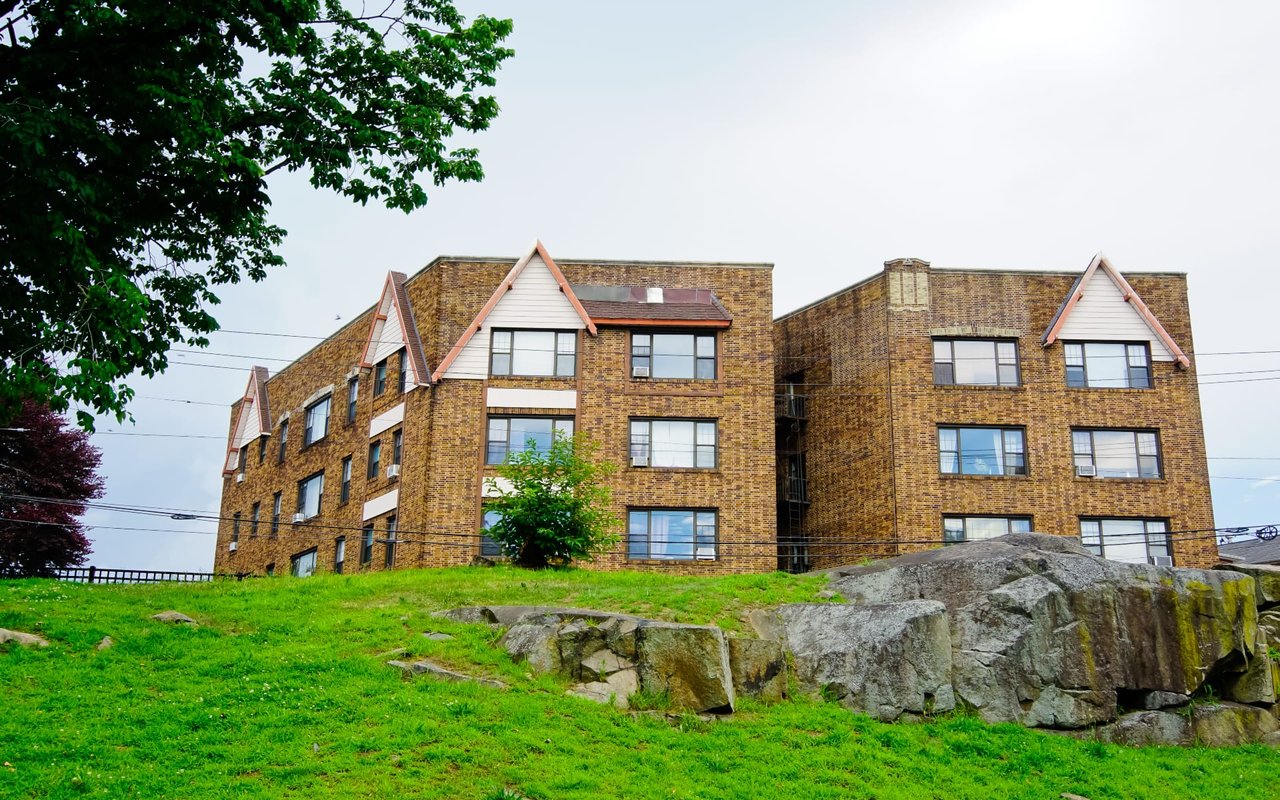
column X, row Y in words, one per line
column 793, row 484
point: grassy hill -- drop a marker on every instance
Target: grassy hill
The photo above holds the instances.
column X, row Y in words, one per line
column 283, row 692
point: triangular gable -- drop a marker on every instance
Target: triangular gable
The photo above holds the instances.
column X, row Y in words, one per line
column 1101, row 298
column 394, row 327
column 503, row 288
column 254, row 419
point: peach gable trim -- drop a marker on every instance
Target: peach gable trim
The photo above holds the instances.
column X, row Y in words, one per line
column 254, row 401
column 408, row 327
column 503, row 288
column 1130, row 296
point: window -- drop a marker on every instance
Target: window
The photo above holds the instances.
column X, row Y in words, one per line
column 981, row 451
column 235, row 527
column 243, row 459
column 339, row 553
column 284, row 439
column 533, row 353
column 380, row 377
column 488, row 545
column 671, row 534
column 673, row 355
column 309, row 491
column 969, row 529
column 353, row 394
column 402, row 374
column 397, row 446
column 1116, row 454
column 1137, row 541
column 262, row 450
column 303, row 564
column 317, row 421
column 1108, row 365
column 345, row 494
column 517, row 434
column 391, row 542
column 975, row 362
column 276, row 501
column 673, row 443
column 255, row 514
column 375, row 459
column 366, row 544
column 271, row 569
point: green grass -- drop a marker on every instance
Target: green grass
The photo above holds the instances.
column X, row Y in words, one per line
column 280, row 693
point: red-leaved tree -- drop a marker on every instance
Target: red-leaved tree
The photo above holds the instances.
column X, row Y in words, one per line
column 40, row 457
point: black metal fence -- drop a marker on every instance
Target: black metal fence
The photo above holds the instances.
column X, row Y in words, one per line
column 100, row 575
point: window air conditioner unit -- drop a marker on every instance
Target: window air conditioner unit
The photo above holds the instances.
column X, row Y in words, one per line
column 239, row 477
column 299, row 517
column 1086, row 472
column 639, row 372
column 639, row 461
column 232, row 546
column 1162, row 561
column 393, row 471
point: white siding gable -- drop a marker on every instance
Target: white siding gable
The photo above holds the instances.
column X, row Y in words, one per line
column 246, row 432
column 1103, row 314
column 388, row 338
column 533, row 302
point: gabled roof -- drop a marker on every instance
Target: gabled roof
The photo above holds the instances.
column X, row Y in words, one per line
column 254, row 414
column 394, row 295
column 1131, row 297
column 504, row 287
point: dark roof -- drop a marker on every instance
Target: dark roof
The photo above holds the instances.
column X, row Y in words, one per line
column 1251, row 551
column 604, row 303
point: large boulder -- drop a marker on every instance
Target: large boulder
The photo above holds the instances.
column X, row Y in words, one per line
column 1046, row 634
column 759, row 668
column 689, row 662
column 22, row 639
column 1266, row 581
column 1230, row 724
column 882, row 659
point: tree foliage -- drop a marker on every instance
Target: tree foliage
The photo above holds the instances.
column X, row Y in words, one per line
column 40, row 456
column 557, row 506
column 137, row 137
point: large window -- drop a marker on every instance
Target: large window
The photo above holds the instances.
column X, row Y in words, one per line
column 345, row 494
column 317, row 421
column 981, row 451
column 1137, row 541
column 366, row 544
column 1116, row 454
column 671, row 534
column 309, row 491
column 673, row 443
column 375, row 459
column 534, row 353
column 1108, row 365
column 488, row 545
column 969, row 529
column 975, row 362
column 303, row 564
column 673, row 355
column 517, row 434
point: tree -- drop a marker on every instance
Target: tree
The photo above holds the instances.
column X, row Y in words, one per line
column 137, row 137
column 40, row 456
column 557, row 506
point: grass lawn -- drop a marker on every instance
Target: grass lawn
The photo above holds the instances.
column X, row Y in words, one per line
column 282, row 692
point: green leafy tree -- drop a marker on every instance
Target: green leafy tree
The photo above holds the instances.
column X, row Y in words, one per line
column 137, row 137
column 557, row 507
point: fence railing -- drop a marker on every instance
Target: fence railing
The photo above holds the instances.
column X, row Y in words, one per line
column 100, row 575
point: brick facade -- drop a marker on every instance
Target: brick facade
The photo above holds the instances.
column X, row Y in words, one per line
column 864, row 358
column 439, row 508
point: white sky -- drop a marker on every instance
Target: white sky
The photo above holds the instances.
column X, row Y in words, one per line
column 826, row 138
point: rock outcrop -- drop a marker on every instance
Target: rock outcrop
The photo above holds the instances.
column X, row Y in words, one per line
column 22, row 639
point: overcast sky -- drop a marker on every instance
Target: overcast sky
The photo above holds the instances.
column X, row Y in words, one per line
column 826, row 138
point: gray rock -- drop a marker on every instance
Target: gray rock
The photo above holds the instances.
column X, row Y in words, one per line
column 690, row 662
column 176, row 617
column 759, row 669
column 1230, row 724
column 535, row 641
column 576, row 640
column 882, row 659
column 437, row 637
column 1142, row 728
column 1255, row 681
column 1269, row 621
column 620, row 635
column 617, row 690
column 827, row 594
column 425, row 667
column 468, row 614
column 603, row 663
column 22, row 639
column 1153, row 701
column 1266, row 581
column 1070, row 708
column 106, row 643
column 767, row 624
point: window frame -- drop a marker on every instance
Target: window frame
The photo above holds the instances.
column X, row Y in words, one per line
column 1157, row 458
column 373, row 464
column 255, row 516
column 1082, row 382
column 1100, row 548
column 243, row 458
column 697, row 543
column 557, row 354
column 638, row 353
column 397, row 446
column 309, row 437
column 277, row 511
column 339, row 554
column 353, row 397
column 489, row 547
column 402, row 373
column 344, row 493
column 556, row 423
column 389, row 547
column 284, row 440
column 1005, row 452
column 380, row 378
column 262, row 450
column 696, row 449
column 235, row 527
column 1009, row 520
column 302, row 496
column 296, row 559
column 944, row 372
column 366, row 544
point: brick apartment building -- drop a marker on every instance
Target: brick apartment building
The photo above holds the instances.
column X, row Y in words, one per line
column 923, row 406
column 375, row 449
